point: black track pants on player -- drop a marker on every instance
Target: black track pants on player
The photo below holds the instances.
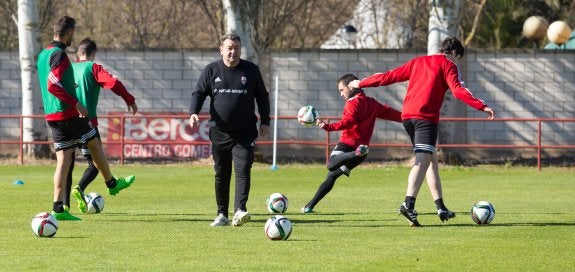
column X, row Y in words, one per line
column 228, row 150
column 337, row 163
column 325, row 187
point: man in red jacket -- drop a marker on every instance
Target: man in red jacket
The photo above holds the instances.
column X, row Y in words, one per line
column 357, row 122
column 429, row 79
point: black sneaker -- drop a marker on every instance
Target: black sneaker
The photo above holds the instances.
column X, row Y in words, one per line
column 410, row 214
column 445, row 215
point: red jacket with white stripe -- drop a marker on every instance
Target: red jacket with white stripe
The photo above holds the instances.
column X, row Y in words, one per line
column 429, row 79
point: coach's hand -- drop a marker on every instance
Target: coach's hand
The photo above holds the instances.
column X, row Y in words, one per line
column 194, row 120
column 264, row 130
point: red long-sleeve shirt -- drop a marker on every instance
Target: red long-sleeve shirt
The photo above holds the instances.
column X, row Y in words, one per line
column 111, row 82
column 358, row 119
column 90, row 78
column 429, row 79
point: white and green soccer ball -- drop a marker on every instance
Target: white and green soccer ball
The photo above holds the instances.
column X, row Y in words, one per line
column 482, row 213
column 94, row 202
column 277, row 203
column 44, row 225
column 307, row 115
column 278, row 227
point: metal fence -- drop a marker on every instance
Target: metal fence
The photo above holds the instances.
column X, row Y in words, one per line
column 327, row 142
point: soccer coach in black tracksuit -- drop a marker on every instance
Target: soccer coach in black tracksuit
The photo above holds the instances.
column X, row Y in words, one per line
column 232, row 85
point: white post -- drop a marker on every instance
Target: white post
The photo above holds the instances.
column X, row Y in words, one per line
column 274, row 154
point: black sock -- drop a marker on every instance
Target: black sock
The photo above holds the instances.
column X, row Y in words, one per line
column 111, row 183
column 325, row 187
column 89, row 175
column 58, row 206
column 410, row 202
column 439, row 204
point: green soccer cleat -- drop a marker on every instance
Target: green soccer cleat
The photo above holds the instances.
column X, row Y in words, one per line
column 79, row 196
column 65, row 215
column 121, row 184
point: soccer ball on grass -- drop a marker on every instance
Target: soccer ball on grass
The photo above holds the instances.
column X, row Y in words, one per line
column 277, row 203
column 44, row 225
column 482, row 213
column 278, row 227
column 94, row 202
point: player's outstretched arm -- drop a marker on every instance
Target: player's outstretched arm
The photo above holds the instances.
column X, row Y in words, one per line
column 133, row 108
column 353, row 84
column 320, row 123
column 490, row 112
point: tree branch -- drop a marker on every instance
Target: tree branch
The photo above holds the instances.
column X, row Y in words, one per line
column 475, row 22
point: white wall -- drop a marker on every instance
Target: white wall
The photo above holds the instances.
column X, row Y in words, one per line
column 515, row 83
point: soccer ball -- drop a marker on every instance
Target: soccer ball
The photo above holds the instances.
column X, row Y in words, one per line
column 277, row 203
column 94, row 203
column 482, row 213
column 278, row 227
column 44, row 225
column 307, row 115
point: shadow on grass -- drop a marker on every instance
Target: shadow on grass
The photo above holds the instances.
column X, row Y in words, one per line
column 320, row 218
column 533, row 224
column 161, row 217
column 469, row 213
column 69, row 237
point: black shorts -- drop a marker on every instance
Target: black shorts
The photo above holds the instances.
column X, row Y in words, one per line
column 340, row 148
column 350, row 163
column 423, row 135
column 84, row 146
column 68, row 133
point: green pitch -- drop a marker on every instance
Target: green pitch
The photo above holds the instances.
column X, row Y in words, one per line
column 161, row 223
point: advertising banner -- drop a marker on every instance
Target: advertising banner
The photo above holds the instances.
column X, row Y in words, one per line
column 157, row 135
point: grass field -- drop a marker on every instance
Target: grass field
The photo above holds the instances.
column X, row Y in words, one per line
column 161, row 223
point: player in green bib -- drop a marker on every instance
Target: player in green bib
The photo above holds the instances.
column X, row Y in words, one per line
column 65, row 116
column 90, row 78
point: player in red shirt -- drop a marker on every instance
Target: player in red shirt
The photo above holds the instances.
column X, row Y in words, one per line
column 90, row 77
column 429, row 79
column 357, row 122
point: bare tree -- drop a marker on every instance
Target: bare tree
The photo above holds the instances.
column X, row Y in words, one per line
column 386, row 24
column 312, row 23
column 240, row 20
column 444, row 18
column 475, row 22
column 444, row 21
column 184, row 24
column 264, row 24
column 216, row 19
column 7, row 26
column 29, row 45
